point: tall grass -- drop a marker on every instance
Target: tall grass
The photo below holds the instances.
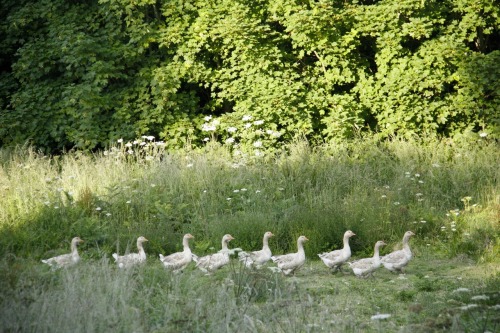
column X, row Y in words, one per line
column 97, row 296
column 446, row 192
column 378, row 190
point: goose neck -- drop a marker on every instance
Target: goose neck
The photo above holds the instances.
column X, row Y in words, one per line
column 346, row 242
column 74, row 248
column 265, row 243
column 185, row 243
column 300, row 247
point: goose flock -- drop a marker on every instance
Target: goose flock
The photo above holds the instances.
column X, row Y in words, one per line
column 288, row 264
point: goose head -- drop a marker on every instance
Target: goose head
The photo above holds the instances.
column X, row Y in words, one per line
column 77, row 240
column 141, row 240
column 302, row 239
column 349, row 234
column 227, row 238
column 268, row 234
column 409, row 234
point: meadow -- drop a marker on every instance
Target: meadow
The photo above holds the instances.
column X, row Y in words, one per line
column 446, row 191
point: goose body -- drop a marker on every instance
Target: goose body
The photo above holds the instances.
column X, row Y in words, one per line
column 176, row 262
column 397, row 260
column 335, row 259
column 132, row 259
column 289, row 263
column 258, row 258
column 65, row 260
column 213, row 262
column 365, row 267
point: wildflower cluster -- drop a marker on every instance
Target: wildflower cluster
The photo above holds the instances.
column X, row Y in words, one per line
column 246, row 137
column 141, row 150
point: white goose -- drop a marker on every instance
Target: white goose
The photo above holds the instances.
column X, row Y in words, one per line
column 176, row 262
column 335, row 259
column 258, row 258
column 65, row 260
column 397, row 260
column 289, row 263
column 366, row 267
column 131, row 259
column 213, row 262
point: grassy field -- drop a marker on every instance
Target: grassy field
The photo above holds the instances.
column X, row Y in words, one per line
column 438, row 295
column 446, row 192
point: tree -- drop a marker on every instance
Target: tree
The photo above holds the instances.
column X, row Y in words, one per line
column 82, row 73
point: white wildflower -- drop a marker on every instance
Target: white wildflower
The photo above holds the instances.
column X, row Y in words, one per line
column 232, row 129
column 230, row 140
column 468, row 307
column 246, row 118
column 120, row 140
column 208, row 127
column 480, row 298
column 257, row 144
column 483, row 134
column 208, row 118
column 248, row 125
column 277, row 134
column 381, row 316
column 258, row 122
column 98, row 208
column 461, row 290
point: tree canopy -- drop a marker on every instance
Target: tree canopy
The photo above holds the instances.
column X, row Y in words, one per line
column 80, row 73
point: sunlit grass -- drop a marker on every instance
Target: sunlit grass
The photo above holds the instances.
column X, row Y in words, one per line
column 447, row 193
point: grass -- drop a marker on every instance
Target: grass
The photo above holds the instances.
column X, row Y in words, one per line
column 96, row 296
column 446, row 192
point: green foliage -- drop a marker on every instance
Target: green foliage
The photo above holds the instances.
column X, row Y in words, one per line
column 82, row 74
